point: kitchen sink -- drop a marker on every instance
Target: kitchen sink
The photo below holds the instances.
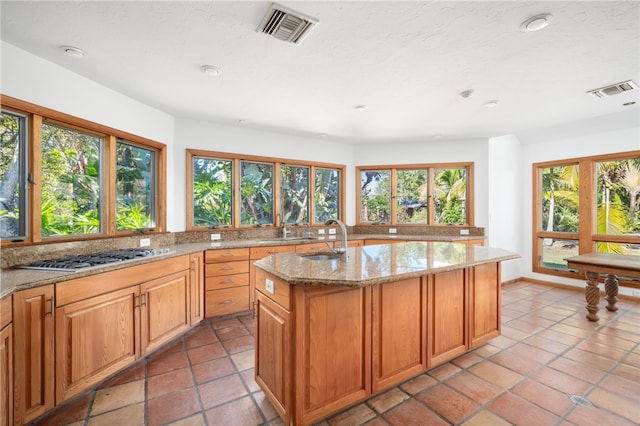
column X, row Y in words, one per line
column 321, row 256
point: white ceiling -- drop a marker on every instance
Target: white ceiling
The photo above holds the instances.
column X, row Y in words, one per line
column 407, row 61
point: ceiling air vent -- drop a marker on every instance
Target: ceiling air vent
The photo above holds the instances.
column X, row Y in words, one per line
column 286, row 24
column 613, row 89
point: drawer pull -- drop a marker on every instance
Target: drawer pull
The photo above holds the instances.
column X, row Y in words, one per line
column 227, row 302
column 227, row 268
column 227, row 255
column 227, row 281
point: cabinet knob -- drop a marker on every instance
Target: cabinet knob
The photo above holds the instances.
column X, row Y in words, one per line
column 227, row 302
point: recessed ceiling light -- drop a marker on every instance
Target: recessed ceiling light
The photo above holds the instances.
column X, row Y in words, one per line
column 536, row 23
column 466, row 94
column 242, row 121
column 629, row 103
column 360, row 107
column 491, row 104
column 210, row 70
column 74, row 52
column 322, row 135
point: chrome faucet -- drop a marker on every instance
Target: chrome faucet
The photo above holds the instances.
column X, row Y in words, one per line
column 343, row 229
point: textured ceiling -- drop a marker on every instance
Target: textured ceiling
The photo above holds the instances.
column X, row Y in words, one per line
column 407, row 61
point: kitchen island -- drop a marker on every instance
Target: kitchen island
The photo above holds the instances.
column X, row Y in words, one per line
column 332, row 331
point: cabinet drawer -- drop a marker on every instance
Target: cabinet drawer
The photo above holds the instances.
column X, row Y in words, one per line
column 226, row 281
column 226, row 268
column 226, row 301
column 226, row 255
column 260, row 252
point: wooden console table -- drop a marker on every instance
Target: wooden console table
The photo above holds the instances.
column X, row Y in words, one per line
column 609, row 264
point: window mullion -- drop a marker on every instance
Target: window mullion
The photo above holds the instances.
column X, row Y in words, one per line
column 35, row 188
column 109, row 183
column 588, row 206
column 393, row 196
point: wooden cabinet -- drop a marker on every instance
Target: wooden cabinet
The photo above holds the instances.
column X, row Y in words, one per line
column 398, row 332
column 196, row 287
column 33, row 344
column 447, row 307
column 6, row 363
column 106, row 321
column 226, row 281
column 257, row 253
column 484, row 304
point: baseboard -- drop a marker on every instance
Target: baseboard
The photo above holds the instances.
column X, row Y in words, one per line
column 565, row 287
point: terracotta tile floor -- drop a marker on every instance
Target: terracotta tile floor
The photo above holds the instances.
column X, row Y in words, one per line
column 550, row 367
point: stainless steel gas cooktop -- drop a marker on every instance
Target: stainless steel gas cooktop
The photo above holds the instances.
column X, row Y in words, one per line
column 79, row 262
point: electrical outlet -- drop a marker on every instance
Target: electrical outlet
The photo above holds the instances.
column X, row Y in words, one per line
column 215, row 237
column 464, row 232
column 393, row 231
column 269, row 286
column 332, row 231
column 635, row 293
column 145, row 242
column 332, row 237
column 321, row 231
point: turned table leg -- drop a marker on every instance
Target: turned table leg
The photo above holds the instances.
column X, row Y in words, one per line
column 592, row 294
column 611, row 288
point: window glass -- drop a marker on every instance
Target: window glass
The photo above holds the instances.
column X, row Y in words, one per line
column 135, row 187
column 212, row 189
column 326, row 194
column 375, row 196
column 450, row 195
column 411, row 196
column 12, row 175
column 560, row 199
column 70, row 182
column 256, row 193
column 554, row 255
column 617, row 195
column 294, row 187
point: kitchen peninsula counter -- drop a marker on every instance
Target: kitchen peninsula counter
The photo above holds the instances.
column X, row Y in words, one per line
column 331, row 333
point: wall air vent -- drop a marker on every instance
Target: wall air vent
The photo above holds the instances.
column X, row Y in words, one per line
column 614, row 89
column 286, row 24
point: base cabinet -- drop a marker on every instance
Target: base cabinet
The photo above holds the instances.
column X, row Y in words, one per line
column 6, row 362
column 33, row 346
column 484, row 304
column 196, row 287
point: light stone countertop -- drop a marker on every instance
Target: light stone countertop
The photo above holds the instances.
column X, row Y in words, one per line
column 16, row 279
column 379, row 264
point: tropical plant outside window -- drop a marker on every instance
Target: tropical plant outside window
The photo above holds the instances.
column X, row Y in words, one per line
column 294, row 187
column 256, row 193
column 71, row 182
column 135, row 187
column 212, row 192
column 411, row 188
column 13, row 175
column 326, row 194
column 266, row 191
column 566, row 205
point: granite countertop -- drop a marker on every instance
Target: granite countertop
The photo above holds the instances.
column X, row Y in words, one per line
column 379, row 264
column 16, row 279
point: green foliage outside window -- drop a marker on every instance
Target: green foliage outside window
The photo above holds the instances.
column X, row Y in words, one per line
column 375, row 196
column 135, row 187
column 212, row 189
column 411, row 196
column 326, row 194
column 450, row 194
column 12, row 175
column 256, row 193
column 295, row 194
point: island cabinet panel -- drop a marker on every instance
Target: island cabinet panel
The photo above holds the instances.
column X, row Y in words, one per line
column 484, row 303
column 273, row 370
column 6, row 362
column 95, row 338
column 257, row 253
column 333, row 351
column 196, row 287
column 398, row 332
column 447, row 320
column 33, row 346
column 165, row 309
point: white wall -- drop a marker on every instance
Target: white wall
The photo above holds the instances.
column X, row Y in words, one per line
column 470, row 150
column 604, row 135
column 209, row 136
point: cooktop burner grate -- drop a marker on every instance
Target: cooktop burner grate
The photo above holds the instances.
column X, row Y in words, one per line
column 79, row 262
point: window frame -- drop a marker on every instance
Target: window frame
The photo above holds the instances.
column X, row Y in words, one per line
column 430, row 167
column 36, row 115
column 277, row 181
column 586, row 235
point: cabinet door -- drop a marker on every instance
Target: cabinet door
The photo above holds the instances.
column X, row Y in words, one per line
column 164, row 304
column 484, row 303
column 398, row 332
column 273, row 355
column 447, row 303
column 95, row 338
column 6, row 376
column 333, row 349
column 196, row 288
column 34, row 360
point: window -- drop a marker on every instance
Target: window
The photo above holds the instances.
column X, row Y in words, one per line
column 135, row 187
column 585, row 205
column 73, row 179
column 234, row 190
column 420, row 195
column 13, row 175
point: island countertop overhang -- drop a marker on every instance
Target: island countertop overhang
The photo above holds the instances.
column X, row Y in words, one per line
column 380, row 264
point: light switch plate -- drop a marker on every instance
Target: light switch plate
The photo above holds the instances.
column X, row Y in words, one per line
column 269, row 286
column 145, row 242
column 215, row 237
column 321, row 231
column 464, row 232
column 393, row 231
column 332, row 231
